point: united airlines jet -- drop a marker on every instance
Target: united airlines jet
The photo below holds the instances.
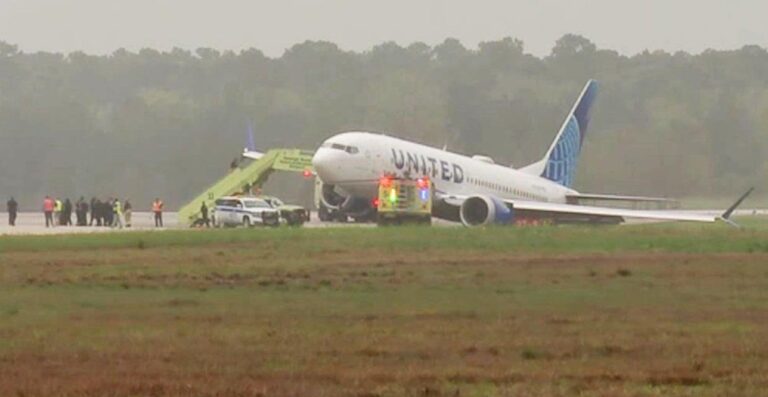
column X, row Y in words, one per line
column 474, row 190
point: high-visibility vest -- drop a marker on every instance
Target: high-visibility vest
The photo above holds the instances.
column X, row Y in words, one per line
column 157, row 206
column 59, row 205
column 48, row 205
column 116, row 207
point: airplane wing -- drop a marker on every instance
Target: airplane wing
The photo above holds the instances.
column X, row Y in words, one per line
column 579, row 197
column 589, row 213
column 569, row 213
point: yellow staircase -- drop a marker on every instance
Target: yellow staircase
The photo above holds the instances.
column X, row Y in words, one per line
column 253, row 174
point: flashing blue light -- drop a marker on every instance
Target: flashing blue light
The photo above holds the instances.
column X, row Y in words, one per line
column 424, row 194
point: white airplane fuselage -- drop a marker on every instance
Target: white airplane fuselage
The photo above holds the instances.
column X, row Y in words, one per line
column 354, row 162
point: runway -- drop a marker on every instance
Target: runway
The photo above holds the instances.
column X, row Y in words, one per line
column 34, row 223
column 30, row 223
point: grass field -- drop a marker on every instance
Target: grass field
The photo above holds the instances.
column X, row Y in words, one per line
column 652, row 310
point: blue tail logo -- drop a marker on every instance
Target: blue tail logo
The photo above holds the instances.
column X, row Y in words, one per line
column 250, row 141
column 563, row 156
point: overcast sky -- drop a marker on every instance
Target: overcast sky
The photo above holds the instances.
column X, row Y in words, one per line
column 101, row 26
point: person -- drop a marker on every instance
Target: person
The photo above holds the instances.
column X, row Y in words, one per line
column 85, row 208
column 57, row 207
column 157, row 208
column 117, row 212
column 49, row 206
column 66, row 213
column 79, row 212
column 128, row 213
column 81, row 208
column 107, row 211
column 94, row 211
column 204, row 215
column 13, row 209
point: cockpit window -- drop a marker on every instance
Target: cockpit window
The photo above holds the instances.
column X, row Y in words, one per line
column 338, row 146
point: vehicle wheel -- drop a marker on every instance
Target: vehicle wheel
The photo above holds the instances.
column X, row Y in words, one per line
column 322, row 214
column 293, row 219
column 341, row 217
column 246, row 221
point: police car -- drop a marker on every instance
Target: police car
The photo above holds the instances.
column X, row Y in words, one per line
column 244, row 211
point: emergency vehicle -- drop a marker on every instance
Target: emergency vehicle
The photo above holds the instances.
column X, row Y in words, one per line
column 403, row 200
column 244, row 211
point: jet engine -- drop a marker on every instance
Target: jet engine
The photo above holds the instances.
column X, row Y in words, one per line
column 358, row 208
column 330, row 198
column 484, row 210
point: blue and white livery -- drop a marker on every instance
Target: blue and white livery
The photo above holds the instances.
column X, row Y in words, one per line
column 560, row 162
column 474, row 190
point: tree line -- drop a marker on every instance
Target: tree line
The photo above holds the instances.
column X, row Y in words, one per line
column 145, row 124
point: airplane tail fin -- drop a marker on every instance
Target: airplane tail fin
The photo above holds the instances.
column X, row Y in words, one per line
column 559, row 164
column 249, row 151
column 250, row 143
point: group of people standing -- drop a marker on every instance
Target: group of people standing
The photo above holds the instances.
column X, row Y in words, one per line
column 110, row 212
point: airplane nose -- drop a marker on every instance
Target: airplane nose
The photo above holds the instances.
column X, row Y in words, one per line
column 325, row 166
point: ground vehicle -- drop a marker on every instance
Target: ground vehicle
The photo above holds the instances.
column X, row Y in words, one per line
column 244, row 211
column 402, row 200
column 293, row 215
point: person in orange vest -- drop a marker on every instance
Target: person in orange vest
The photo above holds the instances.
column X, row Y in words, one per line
column 49, row 205
column 157, row 208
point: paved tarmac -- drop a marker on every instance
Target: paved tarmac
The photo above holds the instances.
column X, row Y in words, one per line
column 34, row 223
column 29, row 223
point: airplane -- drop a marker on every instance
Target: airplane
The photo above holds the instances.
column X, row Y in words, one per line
column 474, row 190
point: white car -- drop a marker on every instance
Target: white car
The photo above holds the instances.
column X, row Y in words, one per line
column 244, row 211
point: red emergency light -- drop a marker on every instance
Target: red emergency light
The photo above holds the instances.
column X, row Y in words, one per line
column 307, row 174
column 423, row 183
column 385, row 181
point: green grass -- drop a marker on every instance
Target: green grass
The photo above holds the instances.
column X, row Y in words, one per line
column 647, row 310
column 654, row 237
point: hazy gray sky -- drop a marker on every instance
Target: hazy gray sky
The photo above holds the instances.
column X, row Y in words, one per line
column 629, row 26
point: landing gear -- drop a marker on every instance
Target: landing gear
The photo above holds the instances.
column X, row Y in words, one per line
column 326, row 214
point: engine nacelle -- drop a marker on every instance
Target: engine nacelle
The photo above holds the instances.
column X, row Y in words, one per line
column 355, row 207
column 330, row 198
column 485, row 210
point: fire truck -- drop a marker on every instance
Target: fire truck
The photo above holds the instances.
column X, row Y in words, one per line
column 404, row 201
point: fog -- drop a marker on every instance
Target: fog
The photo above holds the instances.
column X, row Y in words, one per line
column 98, row 26
column 152, row 98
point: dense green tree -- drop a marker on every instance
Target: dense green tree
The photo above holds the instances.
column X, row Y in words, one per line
column 150, row 123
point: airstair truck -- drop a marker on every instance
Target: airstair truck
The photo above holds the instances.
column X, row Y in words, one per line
column 244, row 179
